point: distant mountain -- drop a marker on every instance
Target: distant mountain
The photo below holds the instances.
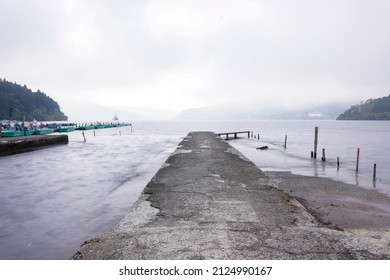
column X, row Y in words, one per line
column 230, row 112
column 372, row 109
column 328, row 111
column 94, row 112
column 17, row 101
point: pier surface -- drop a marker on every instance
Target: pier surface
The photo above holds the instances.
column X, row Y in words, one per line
column 209, row 202
column 15, row 145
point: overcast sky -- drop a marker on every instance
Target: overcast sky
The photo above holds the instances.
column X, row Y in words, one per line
column 174, row 55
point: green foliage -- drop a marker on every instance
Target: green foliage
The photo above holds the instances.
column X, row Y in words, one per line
column 372, row 109
column 382, row 105
column 23, row 101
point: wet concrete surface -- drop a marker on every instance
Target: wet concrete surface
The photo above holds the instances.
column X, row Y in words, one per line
column 15, row 145
column 209, row 202
column 339, row 205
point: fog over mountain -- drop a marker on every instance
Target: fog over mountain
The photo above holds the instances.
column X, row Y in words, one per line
column 328, row 111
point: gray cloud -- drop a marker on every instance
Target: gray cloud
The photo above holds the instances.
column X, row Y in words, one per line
column 180, row 54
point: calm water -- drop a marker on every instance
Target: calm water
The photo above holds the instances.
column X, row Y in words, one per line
column 53, row 199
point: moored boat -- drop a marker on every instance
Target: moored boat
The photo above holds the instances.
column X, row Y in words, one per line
column 15, row 133
column 66, row 129
column 86, row 127
column 9, row 133
column 43, row 131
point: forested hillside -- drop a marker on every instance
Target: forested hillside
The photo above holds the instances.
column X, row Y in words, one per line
column 372, row 109
column 17, row 101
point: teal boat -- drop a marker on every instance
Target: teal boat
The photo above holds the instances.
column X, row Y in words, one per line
column 15, row 133
column 87, row 127
column 43, row 131
column 9, row 133
column 99, row 126
column 66, row 129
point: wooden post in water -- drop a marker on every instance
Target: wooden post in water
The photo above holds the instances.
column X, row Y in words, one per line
column 374, row 175
column 285, row 141
column 84, row 137
column 357, row 160
column 323, row 155
column 315, row 141
column 312, row 154
column 258, row 136
column 338, row 162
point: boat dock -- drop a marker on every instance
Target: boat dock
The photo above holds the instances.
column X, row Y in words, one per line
column 15, row 145
column 233, row 133
column 208, row 201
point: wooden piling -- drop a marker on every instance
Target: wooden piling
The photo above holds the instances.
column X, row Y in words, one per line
column 338, row 162
column 323, row 155
column 374, row 175
column 285, row 141
column 357, row 160
column 312, row 154
column 315, row 141
column 84, row 137
column 258, row 136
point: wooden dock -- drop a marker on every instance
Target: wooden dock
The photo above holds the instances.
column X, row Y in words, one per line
column 234, row 133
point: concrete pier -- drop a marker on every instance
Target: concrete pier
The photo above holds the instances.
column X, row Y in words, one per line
column 15, row 145
column 209, row 202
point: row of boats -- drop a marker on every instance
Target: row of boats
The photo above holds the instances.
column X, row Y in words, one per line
column 18, row 131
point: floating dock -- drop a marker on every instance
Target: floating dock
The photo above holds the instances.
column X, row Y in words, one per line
column 210, row 202
column 16, row 145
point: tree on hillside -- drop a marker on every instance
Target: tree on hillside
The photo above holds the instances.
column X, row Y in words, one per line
column 25, row 102
column 372, row 109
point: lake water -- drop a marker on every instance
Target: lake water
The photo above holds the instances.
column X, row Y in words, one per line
column 52, row 200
